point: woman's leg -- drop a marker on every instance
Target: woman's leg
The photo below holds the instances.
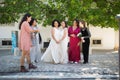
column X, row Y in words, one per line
column 38, row 48
column 31, row 66
column 22, row 58
column 36, row 53
column 22, row 61
column 77, row 56
column 28, row 57
column 32, row 54
column 86, row 52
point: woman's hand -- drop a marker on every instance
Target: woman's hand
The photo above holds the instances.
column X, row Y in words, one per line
column 37, row 30
column 57, row 42
column 78, row 44
column 72, row 35
column 83, row 39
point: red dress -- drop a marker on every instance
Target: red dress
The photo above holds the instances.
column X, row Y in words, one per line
column 74, row 49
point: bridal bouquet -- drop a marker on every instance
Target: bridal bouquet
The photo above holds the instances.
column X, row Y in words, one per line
column 79, row 35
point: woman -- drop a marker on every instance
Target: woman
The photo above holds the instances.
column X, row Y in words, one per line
column 25, row 41
column 86, row 37
column 52, row 54
column 74, row 48
column 36, row 42
column 64, row 42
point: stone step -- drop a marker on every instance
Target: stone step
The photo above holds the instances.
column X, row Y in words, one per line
column 56, row 76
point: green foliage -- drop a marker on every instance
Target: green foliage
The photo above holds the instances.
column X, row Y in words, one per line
column 96, row 12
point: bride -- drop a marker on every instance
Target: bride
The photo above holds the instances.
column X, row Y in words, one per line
column 54, row 52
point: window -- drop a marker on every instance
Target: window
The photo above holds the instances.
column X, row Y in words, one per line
column 96, row 42
column 6, row 43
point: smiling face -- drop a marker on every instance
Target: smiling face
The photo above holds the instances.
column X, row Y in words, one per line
column 81, row 25
column 63, row 24
column 74, row 23
column 29, row 19
column 34, row 23
column 56, row 24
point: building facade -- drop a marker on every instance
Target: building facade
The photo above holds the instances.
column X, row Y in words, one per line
column 101, row 38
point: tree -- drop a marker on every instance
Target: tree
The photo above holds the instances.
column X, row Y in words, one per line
column 96, row 12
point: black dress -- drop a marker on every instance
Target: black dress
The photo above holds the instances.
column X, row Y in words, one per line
column 85, row 45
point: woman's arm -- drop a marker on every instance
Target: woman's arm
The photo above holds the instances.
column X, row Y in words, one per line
column 29, row 29
column 64, row 35
column 69, row 34
column 89, row 34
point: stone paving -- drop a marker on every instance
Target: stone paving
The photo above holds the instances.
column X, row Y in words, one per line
column 102, row 66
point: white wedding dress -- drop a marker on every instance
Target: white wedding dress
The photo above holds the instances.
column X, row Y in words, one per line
column 64, row 46
column 56, row 53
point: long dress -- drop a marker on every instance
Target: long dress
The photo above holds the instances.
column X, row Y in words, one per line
column 25, row 36
column 35, row 50
column 74, row 49
column 52, row 53
column 64, row 46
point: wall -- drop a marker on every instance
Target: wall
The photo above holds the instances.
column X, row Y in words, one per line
column 45, row 32
column 5, row 30
column 106, row 34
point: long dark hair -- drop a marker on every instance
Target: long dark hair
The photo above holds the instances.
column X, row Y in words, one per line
column 31, row 23
column 40, row 38
column 24, row 19
column 77, row 21
column 54, row 22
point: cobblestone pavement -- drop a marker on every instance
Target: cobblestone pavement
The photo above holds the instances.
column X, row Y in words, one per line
column 102, row 66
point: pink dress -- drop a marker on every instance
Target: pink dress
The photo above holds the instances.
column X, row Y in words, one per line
column 74, row 49
column 25, row 36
